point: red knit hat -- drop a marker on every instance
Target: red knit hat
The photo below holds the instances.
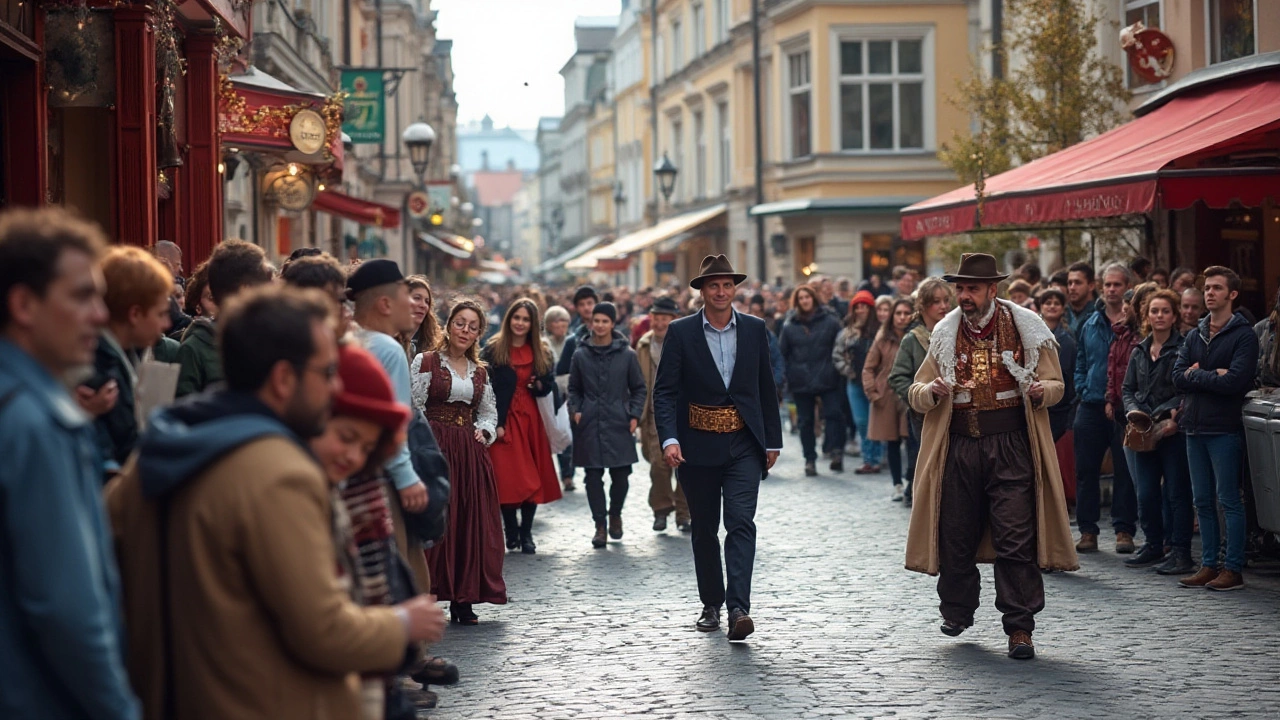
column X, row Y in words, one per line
column 366, row 390
column 862, row 297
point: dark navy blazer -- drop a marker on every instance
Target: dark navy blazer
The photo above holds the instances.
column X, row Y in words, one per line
column 687, row 374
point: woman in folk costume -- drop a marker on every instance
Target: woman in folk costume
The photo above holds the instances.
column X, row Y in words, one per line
column 451, row 385
column 988, row 486
column 521, row 370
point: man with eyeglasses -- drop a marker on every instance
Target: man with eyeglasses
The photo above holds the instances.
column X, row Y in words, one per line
column 223, row 530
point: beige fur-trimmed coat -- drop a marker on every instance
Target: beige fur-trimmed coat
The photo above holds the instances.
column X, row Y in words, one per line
column 1054, row 544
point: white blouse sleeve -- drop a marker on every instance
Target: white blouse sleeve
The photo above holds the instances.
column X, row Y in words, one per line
column 419, row 382
column 487, row 414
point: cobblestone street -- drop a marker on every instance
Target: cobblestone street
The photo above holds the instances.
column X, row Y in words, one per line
column 842, row 630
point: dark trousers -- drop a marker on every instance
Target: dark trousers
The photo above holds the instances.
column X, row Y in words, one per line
column 566, row 463
column 832, row 413
column 1167, row 463
column 737, row 483
column 989, row 481
column 1095, row 434
column 619, row 483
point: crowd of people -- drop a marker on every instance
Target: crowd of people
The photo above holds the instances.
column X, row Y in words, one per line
column 285, row 469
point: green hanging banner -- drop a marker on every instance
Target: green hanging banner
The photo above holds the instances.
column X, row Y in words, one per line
column 364, row 116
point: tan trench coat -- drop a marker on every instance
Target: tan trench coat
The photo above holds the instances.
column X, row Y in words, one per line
column 262, row 629
column 1054, row 544
column 650, row 445
column 888, row 415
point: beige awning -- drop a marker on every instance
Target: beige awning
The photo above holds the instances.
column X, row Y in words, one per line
column 648, row 237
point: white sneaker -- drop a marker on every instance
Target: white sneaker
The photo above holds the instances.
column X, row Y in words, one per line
column 897, row 493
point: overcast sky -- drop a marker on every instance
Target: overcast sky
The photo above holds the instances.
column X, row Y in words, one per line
column 507, row 54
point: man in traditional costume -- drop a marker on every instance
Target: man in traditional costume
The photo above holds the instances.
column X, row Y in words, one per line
column 987, row 483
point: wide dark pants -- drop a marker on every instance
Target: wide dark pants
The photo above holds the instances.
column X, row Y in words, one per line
column 737, row 483
column 989, row 481
column 832, row 415
column 1095, row 434
column 619, row 483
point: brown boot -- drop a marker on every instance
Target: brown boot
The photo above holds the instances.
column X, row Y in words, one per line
column 1088, row 543
column 1020, row 645
column 1205, row 576
column 615, row 527
column 1124, row 543
column 1226, row 580
column 599, row 540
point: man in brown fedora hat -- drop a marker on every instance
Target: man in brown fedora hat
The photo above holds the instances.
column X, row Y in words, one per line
column 709, row 402
column 987, row 482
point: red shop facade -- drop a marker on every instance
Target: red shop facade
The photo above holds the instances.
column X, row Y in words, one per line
column 111, row 108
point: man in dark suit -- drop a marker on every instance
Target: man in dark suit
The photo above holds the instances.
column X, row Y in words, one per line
column 714, row 404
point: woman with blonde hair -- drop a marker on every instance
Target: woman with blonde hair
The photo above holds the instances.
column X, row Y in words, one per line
column 451, row 385
column 888, row 412
column 521, row 369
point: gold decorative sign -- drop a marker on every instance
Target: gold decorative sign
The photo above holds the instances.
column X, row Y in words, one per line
column 293, row 192
column 307, row 131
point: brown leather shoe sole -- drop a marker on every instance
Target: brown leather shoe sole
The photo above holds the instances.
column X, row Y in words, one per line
column 741, row 629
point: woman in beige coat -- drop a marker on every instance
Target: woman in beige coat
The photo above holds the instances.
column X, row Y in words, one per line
column 888, row 413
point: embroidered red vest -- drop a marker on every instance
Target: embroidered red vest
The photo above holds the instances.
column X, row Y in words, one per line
column 984, row 382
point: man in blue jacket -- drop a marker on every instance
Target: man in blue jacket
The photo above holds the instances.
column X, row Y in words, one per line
column 60, row 629
column 1096, row 431
column 1215, row 368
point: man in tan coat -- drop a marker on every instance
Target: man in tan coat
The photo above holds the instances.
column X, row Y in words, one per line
column 649, row 349
column 222, row 526
column 987, row 485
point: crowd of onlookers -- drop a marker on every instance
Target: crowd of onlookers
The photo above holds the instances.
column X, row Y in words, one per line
column 239, row 493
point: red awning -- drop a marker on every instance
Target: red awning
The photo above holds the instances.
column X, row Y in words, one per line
column 365, row 212
column 1164, row 158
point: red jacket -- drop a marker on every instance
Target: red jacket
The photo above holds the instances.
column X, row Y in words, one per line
column 1127, row 338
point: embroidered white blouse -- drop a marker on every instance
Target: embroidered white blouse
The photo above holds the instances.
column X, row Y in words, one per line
column 461, row 389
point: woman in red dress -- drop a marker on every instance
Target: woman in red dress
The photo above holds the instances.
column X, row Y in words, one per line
column 451, row 386
column 521, row 370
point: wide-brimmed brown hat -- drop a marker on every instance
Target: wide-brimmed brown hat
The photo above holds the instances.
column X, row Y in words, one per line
column 976, row 267
column 716, row 266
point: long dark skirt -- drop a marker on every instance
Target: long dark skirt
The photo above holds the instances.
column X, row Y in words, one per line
column 466, row 564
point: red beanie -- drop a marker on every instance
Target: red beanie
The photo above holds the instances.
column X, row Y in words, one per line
column 366, row 390
column 862, row 297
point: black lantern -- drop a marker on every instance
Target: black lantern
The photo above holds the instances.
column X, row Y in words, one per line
column 418, row 138
column 666, row 173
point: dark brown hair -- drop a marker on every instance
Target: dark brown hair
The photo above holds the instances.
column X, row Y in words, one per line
column 1168, row 296
column 1233, row 280
column 813, row 293
column 195, row 290
column 473, row 352
column 235, row 265
column 500, row 344
column 428, row 333
column 31, row 244
column 267, row 325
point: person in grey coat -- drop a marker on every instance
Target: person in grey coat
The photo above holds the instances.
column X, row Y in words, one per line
column 606, row 399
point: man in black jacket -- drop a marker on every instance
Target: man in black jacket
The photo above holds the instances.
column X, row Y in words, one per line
column 709, row 400
column 1215, row 368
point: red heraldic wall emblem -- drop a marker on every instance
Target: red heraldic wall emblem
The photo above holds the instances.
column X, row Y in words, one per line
column 1150, row 52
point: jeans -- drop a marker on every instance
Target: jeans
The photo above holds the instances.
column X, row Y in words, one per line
column 620, row 482
column 872, row 450
column 832, row 400
column 1095, row 434
column 1167, row 463
column 1215, row 480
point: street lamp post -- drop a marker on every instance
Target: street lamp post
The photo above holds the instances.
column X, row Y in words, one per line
column 666, row 174
column 418, row 139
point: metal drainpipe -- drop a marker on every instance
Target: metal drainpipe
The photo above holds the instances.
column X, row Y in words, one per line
column 761, row 265
column 653, row 99
column 997, row 38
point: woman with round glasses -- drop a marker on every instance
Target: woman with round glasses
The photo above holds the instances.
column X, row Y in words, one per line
column 451, row 385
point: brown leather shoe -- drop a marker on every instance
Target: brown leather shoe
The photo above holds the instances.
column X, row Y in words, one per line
column 1202, row 577
column 1124, row 543
column 1226, row 580
column 600, row 540
column 1020, row 646
column 1088, row 543
column 615, row 527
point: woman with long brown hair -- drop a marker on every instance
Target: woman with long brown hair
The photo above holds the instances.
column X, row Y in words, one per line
column 521, row 370
column 451, row 385
column 807, row 339
column 424, row 317
column 888, row 413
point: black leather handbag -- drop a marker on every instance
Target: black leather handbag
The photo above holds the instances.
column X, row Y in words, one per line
column 432, row 469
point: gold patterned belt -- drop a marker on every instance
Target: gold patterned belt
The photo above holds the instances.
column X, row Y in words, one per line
column 454, row 413
column 715, row 419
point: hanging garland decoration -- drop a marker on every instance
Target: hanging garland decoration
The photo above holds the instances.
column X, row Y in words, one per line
column 234, row 116
column 170, row 66
column 227, row 47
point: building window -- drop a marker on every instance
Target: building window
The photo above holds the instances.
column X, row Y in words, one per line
column 722, row 20
column 799, row 90
column 882, row 94
column 726, row 146
column 1146, row 12
column 677, row 151
column 1230, row 29
column 699, row 30
column 677, row 46
column 700, row 156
